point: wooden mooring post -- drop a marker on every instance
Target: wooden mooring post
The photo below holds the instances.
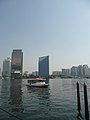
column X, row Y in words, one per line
column 86, row 103
column 78, row 101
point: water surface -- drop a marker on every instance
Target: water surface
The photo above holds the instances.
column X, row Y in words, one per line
column 57, row 102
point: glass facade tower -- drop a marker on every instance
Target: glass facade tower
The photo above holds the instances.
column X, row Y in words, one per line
column 44, row 66
column 17, row 63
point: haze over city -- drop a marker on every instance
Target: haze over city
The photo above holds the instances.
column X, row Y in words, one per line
column 60, row 29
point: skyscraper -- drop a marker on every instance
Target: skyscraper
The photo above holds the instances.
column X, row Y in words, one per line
column 80, row 71
column 43, row 66
column 17, row 63
column 86, row 71
column 74, row 71
column 6, row 68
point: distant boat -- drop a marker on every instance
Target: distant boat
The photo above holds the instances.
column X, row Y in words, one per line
column 37, row 82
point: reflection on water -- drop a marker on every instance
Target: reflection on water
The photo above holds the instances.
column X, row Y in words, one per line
column 15, row 99
column 57, row 102
column 4, row 94
column 37, row 103
column 10, row 98
column 42, row 94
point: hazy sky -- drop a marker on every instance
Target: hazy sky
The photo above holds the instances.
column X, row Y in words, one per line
column 58, row 28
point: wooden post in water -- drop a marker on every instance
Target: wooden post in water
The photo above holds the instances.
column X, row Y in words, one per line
column 78, row 101
column 86, row 102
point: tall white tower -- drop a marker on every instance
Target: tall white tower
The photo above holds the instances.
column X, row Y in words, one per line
column 6, row 67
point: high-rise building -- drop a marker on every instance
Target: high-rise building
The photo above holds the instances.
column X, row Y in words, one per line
column 17, row 63
column 44, row 66
column 6, row 68
column 86, row 71
column 80, row 71
column 65, row 72
column 74, row 71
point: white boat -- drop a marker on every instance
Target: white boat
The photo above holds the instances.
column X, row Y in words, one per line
column 37, row 82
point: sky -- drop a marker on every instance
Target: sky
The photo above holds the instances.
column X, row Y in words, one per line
column 58, row 28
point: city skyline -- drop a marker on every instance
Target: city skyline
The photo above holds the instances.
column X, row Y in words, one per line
column 80, row 71
column 59, row 29
column 41, row 58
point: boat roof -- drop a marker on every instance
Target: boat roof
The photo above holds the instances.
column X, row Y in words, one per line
column 39, row 78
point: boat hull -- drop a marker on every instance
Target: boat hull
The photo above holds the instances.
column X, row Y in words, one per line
column 39, row 85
